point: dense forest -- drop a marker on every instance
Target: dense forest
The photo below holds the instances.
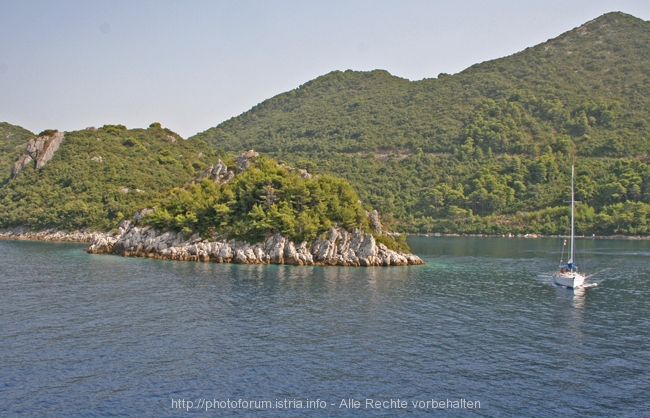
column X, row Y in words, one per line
column 264, row 199
column 12, row 144
column 497, row 194
column 585, row 92
column 487, row 150
column 97, row 177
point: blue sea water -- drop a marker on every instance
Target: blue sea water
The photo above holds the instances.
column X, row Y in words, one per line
column 96, row 335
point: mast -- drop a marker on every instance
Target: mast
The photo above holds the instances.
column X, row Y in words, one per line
column 571, row 260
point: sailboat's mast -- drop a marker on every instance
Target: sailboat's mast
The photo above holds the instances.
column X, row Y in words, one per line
column 571, row 260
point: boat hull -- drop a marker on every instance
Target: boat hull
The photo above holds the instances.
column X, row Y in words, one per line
column 570, row 280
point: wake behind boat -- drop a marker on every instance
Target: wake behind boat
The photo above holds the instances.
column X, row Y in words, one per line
column 568, row 275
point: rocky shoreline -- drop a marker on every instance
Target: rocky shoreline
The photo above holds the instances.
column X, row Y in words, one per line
column 47, row 235
column 510, row 235
column 338, row 248
column 56, row 235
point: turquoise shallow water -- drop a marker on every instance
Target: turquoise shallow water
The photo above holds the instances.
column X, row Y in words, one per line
column 92, row 335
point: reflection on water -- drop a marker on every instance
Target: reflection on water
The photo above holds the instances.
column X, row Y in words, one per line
column 571, row 311
column 579, row 298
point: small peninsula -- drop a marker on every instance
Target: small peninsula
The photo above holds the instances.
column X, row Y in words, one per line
column 265, row 213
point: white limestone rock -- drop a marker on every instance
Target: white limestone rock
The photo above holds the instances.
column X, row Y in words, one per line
column 339, row 247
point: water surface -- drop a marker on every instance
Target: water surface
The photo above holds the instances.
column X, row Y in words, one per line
column 97, row 335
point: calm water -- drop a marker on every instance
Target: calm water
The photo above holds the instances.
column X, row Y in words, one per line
column 93, row 335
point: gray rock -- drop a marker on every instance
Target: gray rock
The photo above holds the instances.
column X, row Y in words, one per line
column 339, row 247
column 375, row 223
column 274, row 247
column 137, row 217
column 243, row 161
column 302, row 172
column 218, row 172
column 41, row 149
column 50, row 235
column 368, row 247
column 49, row 148
column 20, row 164
column 225, row 252
column 35, row 146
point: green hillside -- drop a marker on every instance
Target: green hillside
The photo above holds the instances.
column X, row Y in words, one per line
column 487, row 150
column 13, row 140
column 262, row 200
column 587, row 90
column 431, row 154
column 96, row 177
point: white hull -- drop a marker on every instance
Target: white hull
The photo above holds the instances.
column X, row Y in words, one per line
column 570, row 280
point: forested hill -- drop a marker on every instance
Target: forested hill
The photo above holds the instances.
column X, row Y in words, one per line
column 96, row 177
column 487, row 150
column 12, row 144
column 586, row 91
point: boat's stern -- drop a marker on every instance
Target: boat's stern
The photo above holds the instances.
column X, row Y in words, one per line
column 572, row 280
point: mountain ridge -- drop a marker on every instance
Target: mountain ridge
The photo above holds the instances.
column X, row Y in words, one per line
column 391, row 112
column 486, row 150
column 433, row 155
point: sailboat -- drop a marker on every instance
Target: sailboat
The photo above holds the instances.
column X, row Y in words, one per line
column 568, row 275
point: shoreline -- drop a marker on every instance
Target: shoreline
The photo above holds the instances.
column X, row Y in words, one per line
column 337, row 248
column 509, row 235
column 50, row 235
column 56, row 235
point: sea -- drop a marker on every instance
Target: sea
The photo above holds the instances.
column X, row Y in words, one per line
column 480, row 330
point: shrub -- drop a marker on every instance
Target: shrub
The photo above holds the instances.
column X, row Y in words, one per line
column 48, row 132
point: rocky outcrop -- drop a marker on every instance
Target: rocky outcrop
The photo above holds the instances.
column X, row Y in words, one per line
column 304, row 174
column 218, row 172
column 20, row 164
column 40, row 149
column 338, row 248
column 49, row 148
column 35, row 145
column 243, row 161
column 137, row 217
column 375, row 223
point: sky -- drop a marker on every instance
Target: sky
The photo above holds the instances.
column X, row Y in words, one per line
column 191, row 65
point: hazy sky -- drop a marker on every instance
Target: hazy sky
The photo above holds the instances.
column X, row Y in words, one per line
column 193, row 64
